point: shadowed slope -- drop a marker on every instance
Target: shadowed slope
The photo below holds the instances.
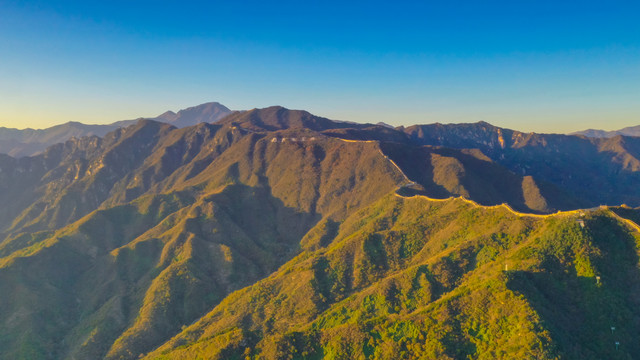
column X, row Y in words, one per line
column 72, row 179
column 444, row 172
column 596, row 171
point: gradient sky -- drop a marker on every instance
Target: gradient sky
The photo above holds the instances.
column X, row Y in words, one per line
column 546, row 66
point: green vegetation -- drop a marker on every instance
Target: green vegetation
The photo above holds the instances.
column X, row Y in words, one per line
column 418, row 279
column 269, row 236
column 171, row 241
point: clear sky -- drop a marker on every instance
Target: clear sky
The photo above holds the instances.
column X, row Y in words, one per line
column 546, row 66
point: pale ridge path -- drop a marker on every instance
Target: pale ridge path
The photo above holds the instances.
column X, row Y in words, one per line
column 409, row 182
column 626, row 221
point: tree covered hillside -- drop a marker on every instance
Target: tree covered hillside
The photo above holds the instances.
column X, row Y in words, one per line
column 277, row 234
column 413, row 278
column 191, row 216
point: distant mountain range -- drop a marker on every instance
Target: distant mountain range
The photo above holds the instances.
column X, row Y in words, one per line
column 277, row 234
column 628, row 131
column 28, row 142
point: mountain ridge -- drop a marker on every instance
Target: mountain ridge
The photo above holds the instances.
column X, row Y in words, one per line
column 27, row 142
column 274, row 233
column 393, row 300
column 448, row 165
column 627, row 131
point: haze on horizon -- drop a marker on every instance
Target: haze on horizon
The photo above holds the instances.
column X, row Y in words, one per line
column 531, row 66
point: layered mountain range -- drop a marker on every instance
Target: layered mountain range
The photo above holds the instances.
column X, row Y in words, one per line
column 273, row 233
column 628, row 131
column 27, row 142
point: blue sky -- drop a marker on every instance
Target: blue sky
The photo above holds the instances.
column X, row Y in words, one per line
column 529, row 65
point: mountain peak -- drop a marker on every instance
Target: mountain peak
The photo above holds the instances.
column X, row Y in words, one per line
column 277, row 117
column 167, row 116
column 208, row 112
column 382, row 123
column 485, row 124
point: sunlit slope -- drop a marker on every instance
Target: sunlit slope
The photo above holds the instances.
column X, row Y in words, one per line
column 413, row 278
column 126, row 277
column 275, row 233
